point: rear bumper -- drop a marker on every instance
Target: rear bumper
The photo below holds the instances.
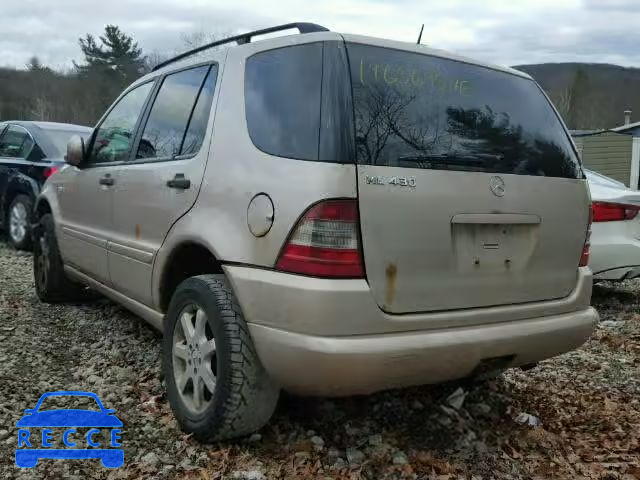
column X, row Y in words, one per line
column 329, row 337
column 335, row 308
column 337, row 366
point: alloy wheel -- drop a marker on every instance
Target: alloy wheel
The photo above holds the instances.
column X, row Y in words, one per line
column 18, row 222
column 194, row 359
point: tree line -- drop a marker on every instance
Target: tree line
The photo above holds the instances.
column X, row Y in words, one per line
column 80, row 94
column 587, row 97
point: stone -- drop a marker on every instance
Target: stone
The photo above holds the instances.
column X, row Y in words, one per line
column 528, row 419
column 480, row 409
column 456, row 399
column 248, row 475
column 152, row 459
column 339, row 464
column 355, row 456
column 400, row 458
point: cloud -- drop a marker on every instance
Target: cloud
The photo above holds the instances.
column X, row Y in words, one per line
column 500, row 31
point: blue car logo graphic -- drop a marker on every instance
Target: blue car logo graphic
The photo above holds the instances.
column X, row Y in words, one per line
column 71, row 419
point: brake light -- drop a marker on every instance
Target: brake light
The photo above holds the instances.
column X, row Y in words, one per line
column 613, row 212
column 586, row 249
column 325, row 242
column 50, row 171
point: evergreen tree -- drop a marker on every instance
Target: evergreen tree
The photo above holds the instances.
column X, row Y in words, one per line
column 116, row 54
column 35, row 65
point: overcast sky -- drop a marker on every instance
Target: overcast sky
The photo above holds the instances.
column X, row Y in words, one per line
column 500, row 31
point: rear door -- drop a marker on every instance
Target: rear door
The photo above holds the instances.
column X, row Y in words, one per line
column 470, row 191
column 161, row 180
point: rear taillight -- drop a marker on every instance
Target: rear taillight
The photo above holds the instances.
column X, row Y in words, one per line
column 613, row 212
column 325, row 242
column 586, row 249
column 50, row 171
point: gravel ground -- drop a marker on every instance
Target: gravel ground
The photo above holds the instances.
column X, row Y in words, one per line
column 575, row 416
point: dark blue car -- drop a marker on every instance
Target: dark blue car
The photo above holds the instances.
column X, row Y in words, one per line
column 30, row 152
column 68, row 418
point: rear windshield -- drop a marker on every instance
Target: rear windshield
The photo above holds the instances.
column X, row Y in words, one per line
column 419, row 111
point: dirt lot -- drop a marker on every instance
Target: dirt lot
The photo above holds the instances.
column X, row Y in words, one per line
column 588, row 403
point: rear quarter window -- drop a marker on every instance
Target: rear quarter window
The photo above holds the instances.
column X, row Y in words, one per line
column 419, row 111
column 282, row 91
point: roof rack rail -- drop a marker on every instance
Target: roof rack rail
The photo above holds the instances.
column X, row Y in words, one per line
column 303, row 27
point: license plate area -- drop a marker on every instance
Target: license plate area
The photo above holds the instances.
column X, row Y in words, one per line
column 493, row 247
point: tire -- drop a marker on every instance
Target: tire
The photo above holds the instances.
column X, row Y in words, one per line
column 18, row 222
column 243, row 397
column 52, row 284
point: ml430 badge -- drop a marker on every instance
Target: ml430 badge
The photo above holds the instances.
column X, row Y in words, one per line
column 398, row 181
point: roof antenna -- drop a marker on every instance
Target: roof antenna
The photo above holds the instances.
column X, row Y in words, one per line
column 420, row 36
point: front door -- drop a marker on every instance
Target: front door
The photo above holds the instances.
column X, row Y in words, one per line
column 161, row 180
column 85, row 194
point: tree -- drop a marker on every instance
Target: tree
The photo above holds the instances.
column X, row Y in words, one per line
column 35, row 65
column 117, row 54
column 580, row 94
column 195, row 39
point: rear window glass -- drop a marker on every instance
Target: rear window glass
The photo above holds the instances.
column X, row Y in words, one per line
column 418, row 111
column 282, row 93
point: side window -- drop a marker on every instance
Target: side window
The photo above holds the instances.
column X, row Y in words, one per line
column 16, row 143
column 282, row 91
column 175, row 110
column 198, row 125
column 115, row 134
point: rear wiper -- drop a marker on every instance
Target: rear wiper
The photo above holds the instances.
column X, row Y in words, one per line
column 443, row 161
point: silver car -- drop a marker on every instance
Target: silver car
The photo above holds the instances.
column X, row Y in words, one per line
column 326, row 214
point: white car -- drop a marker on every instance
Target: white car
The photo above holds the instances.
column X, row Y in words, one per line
column 615, row 232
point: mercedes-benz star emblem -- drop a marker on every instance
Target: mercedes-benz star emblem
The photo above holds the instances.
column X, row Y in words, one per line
column 496, row 185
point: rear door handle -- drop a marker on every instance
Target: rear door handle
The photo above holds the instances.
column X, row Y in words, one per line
column 107, row 180
column 179, row 182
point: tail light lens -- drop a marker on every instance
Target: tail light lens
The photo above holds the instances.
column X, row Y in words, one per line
column 586, row 249
column 613, row 212
column 325, row 242
column 50, row 171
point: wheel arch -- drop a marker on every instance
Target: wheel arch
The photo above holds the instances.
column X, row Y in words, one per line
column 186, row 259
column 17, row 185
column 41, row 207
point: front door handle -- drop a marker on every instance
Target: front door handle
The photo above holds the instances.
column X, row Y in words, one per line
column 179, row 182
column 107, row 180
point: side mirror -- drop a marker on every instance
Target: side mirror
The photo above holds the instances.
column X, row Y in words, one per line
column 75, row 151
